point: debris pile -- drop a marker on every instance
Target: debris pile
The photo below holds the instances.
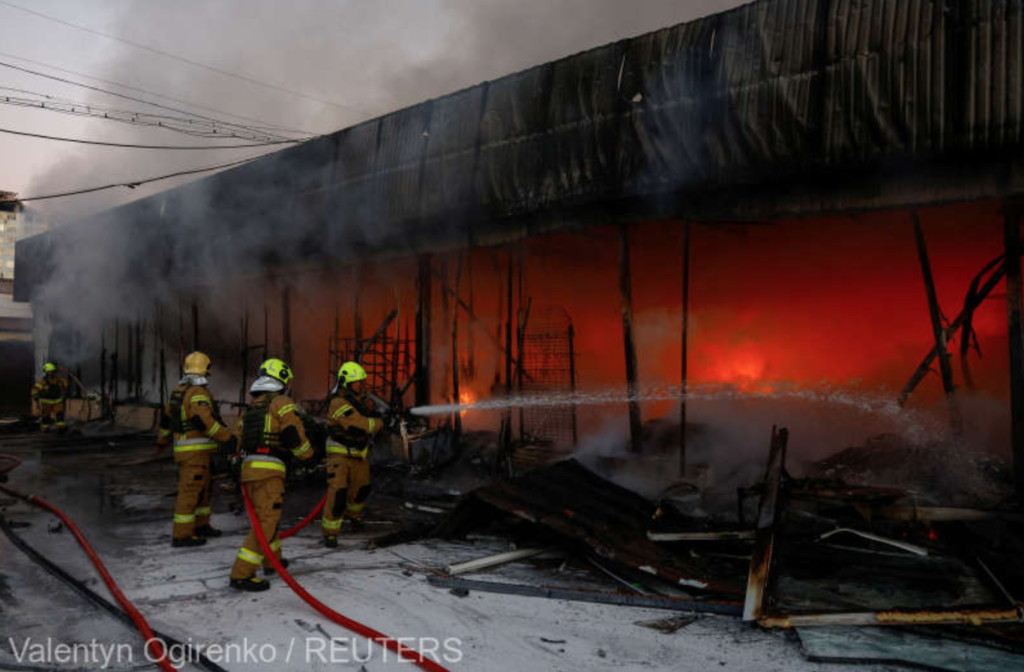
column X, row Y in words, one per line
column 942, row 472
column 859, row 571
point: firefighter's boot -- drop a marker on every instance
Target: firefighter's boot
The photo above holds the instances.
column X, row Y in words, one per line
column 267, row 571
column 208, row 531
column 331, row 541
column 186, row 542
column 250, row 585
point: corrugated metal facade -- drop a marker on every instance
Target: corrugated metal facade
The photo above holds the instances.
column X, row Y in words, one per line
column 769, row 93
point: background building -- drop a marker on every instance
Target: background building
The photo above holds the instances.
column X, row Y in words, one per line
column 15, row 223
column 842, row 175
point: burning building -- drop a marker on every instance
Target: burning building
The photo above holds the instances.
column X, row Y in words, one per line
column 793, row 198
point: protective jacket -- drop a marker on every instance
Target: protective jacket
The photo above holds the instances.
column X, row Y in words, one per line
column 50, row 393
column 270, row 433
column 352, row 421
column 51, row 389
column 190, row 420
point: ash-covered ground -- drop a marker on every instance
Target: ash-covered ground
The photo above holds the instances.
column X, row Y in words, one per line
column 124, row 507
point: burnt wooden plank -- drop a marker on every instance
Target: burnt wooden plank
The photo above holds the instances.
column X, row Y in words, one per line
column 761, row 558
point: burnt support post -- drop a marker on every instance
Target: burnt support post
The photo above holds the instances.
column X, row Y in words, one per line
column 244, row 356
column 195, row 326
column 104, row 401
column 626, row 294
column 938, row 330
column 456, row 399
column 683, row 375
column 572, row 382
column 357, row 306
column 286, row 324
column 114, row 372
column 424, row 293
column 1011, row 224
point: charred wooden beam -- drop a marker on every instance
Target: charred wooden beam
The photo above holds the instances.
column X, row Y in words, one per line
column 457, row 417
column 365, row 344
column 904, row 617
column 244, row 355
column 424, row 292
column 626, row 296
column 286, row 324
column 1011, row 239
column 195, row 326
column 761, row 558
column 938, row 330
column 572, row 382
column 971, row 303
column 685, row 327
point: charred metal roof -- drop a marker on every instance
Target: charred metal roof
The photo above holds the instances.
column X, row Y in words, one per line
column 779, row 107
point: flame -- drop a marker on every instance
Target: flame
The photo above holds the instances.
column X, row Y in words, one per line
column 466, row 398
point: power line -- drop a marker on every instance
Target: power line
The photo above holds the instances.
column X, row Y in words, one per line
column 90, row 87
column 189, row 61
column 189, row 126
column 136, row 183
column 137, row 146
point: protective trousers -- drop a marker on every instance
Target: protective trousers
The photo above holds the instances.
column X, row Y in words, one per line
column 267, row 496
column 51, row 415
column 348, row 487
column 192, row 508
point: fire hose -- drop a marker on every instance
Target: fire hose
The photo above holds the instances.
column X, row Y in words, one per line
column 154, row 645
column 345, row 622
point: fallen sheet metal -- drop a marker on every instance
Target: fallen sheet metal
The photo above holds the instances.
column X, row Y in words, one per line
column 912, row 646
column 580, row 595
column 611, row 520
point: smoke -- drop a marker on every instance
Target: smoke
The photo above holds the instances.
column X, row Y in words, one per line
column 365, row 58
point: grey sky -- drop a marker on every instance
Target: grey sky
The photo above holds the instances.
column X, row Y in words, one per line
column 371, row 55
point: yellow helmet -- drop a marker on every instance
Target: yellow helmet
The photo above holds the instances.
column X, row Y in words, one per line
column 197, row 363
column 351, row 372
column 275, row 368
column 49, row 367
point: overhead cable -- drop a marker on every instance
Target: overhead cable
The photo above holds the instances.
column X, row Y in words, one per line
column 138, row 146
column 136, row 183
column 187, row 125
column 265, row 125
column 182, row 59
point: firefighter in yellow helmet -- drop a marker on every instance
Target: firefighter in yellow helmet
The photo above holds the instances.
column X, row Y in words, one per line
column 48, row 397
column 190, row 420
column 270, row 434
column 352, row 420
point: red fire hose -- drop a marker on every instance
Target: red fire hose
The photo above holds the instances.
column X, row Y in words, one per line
column 292, row 531
column 152, row 643
column 343, row 621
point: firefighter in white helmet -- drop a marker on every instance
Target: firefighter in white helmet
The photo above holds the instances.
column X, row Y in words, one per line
column 352, row 420
column 270, row 434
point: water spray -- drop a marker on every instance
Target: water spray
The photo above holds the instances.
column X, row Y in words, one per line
column 879, row 403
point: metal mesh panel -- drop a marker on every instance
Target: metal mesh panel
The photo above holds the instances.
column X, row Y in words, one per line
column 388, row 362
column 549, row 368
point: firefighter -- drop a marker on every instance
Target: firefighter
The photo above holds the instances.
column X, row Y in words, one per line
column 191, row 421
column 270, row 434
column 48, row 397
column 352, row 421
